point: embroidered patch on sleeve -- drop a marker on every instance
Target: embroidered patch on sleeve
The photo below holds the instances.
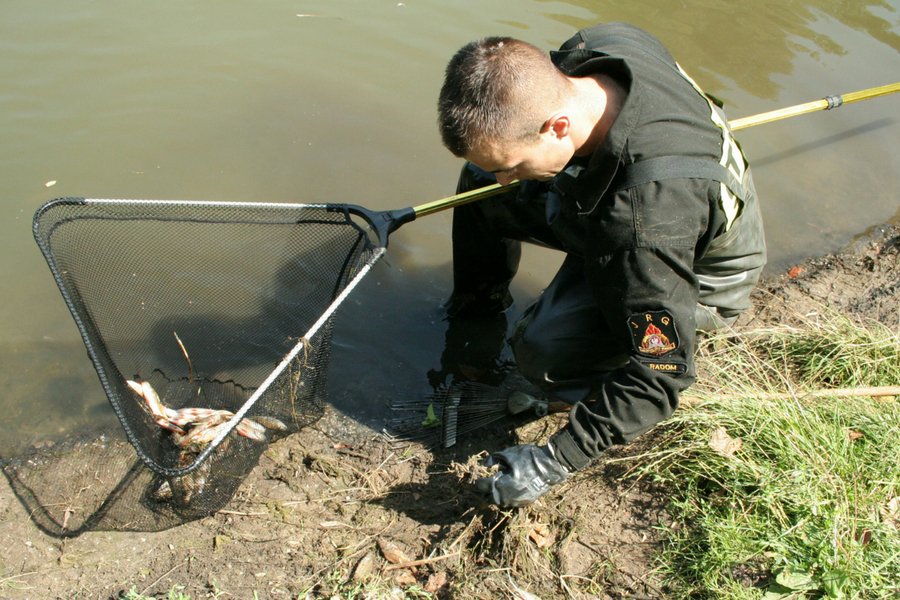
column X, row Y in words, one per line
column 676, row 368
column 653, row 333
column 653, row 336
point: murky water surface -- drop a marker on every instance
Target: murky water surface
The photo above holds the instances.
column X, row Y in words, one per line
column 334, row 101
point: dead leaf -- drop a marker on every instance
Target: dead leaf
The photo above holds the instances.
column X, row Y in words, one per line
column 333, row 524
column 392, row 552
column 435, row 582
column 795, row 271
column 405, row 578
column 890, row 514
column 853, row 435
column 723, row 444
column 541, row 535
column 364, row 568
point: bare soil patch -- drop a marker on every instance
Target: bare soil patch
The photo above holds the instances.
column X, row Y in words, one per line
column 338, row 511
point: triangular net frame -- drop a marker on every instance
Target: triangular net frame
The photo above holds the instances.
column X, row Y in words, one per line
column 217, row 305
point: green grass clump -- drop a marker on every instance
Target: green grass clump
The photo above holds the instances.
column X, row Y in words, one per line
column 793, row 497
column 834, row 351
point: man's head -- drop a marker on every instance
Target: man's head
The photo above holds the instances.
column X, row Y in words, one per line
column 499, row 108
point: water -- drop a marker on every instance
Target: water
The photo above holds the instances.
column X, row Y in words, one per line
column 316, row 101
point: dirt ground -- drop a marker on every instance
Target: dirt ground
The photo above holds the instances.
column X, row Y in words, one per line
column 332, row 513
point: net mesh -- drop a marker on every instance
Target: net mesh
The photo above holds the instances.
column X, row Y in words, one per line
column 225, row 310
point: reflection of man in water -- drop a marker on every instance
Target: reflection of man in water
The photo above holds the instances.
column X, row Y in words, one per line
column 631, row 170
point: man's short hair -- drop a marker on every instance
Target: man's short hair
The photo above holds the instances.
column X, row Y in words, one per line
column 497, row 89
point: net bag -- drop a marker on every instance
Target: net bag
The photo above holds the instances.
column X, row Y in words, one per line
column 208, row 324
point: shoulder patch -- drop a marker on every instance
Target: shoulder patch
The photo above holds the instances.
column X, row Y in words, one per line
column 653, row 333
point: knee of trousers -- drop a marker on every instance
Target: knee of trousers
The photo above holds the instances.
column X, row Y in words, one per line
column 532, row 354
column 548, row 351
column 544, row 356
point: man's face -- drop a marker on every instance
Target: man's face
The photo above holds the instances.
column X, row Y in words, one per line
column 537, row 160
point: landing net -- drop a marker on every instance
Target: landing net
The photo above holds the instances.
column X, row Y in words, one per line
column 224, row 310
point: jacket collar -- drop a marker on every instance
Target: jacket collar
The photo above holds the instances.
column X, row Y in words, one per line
column 588, row 184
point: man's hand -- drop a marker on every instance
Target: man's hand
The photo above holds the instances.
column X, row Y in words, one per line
column 526, row 473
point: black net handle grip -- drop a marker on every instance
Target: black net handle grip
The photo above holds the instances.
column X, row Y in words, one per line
column 387, row 222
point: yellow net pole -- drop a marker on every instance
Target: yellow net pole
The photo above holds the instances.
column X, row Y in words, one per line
column 464, row 198
column 826, row 103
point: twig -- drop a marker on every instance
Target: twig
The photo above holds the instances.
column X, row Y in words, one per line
column 876, row 391
column 564, row 585
column 186, row 357
column 163, row 576
column 242, row 514
column 4, row 580
column 252, row 540
column 420, row 562
column 465, row 530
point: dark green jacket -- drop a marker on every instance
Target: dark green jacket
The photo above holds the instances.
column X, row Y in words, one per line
column 652, row 250
column 665, row 220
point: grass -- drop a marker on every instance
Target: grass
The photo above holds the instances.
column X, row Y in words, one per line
column 788, row 498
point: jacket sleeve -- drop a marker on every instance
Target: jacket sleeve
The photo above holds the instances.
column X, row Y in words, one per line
column 486, row 242
column 484, row 260
column 639, row 264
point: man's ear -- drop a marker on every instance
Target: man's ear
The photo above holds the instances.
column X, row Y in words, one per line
column 558, row 124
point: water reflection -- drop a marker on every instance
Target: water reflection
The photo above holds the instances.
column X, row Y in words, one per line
column 749, row 45
column 50, row 392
